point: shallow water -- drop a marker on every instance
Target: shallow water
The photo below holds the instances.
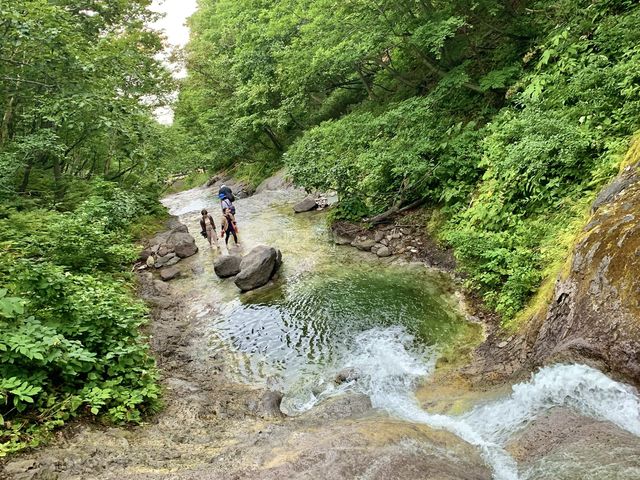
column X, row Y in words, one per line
column 293, row 334
column 335, row 307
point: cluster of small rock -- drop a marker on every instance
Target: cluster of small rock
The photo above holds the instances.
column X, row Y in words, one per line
column 387, row 241
column 168, row 248
column 251, row 271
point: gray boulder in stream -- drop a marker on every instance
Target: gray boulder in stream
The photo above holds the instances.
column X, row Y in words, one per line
column 305, row 205
column 227, row 265
column 257, row 267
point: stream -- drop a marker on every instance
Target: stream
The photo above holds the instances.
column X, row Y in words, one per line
column 334, row 307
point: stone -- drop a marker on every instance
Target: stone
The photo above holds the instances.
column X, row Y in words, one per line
column 378, row 236
column 383, row 251
column 257, row 267
column 608, row 194
column 150, row 261
column 305, row 205
column 172, row 261
column 375, row 248
column 144, row 254
column 19, row 466
column 197, row 269
column 269, row 405
column 170, row 273
column 183, row 244
column 343, row 406
column 162, row 261
column 227, row 265
column 276, row 182
column 364, row 244
column 340, row 240
column 502, row 344
column 163, row 251
column 346, row 375
column 175, row 225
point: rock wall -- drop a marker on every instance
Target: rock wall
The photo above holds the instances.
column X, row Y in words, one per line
column 595, row 311
column 594, row 314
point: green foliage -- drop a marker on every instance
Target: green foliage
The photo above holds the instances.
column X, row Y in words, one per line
column 71, row 340
column 81, row 161
column 79, row 86
column 507, row 117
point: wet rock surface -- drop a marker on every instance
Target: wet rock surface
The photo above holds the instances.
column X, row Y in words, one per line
column 562, row 445
column 215, row 428
column 308, row 204
column 227, row 265
column 593, row 315
column 257, row 267
column 170, row 273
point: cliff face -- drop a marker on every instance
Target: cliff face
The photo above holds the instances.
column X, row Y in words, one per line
column 594, row 313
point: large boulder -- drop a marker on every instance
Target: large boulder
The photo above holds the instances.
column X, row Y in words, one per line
column 305, row 205
column 593, row 314
column 257, row 267
column 227, row 265
column 276, row 182
column 183, row 244
column 177, row 240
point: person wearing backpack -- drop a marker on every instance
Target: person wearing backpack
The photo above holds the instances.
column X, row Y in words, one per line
column 228, row 226
column 226, row 191
column 226, row 203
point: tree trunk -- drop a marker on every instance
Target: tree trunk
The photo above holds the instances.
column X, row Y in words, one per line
column 5, row 130
column 25, row 177
column 395, row 209
column 272, row 136
column 366, row 84
column 57, row 177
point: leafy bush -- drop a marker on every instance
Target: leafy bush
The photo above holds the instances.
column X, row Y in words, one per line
column 71, row 340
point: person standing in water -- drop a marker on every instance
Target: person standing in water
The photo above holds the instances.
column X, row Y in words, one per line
column 209, row 228
column 226, row 191
column 226, row 203
column 229, row 226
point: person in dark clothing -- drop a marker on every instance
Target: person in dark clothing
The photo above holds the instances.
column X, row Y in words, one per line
column 226, row 191
column 208, row 227
column 229, row 226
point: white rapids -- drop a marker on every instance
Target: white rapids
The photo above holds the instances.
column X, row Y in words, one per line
column 391, row 365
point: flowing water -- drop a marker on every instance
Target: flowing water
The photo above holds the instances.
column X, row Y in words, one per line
column 334, row 308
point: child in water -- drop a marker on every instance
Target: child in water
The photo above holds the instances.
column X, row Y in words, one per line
column 229, row 226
